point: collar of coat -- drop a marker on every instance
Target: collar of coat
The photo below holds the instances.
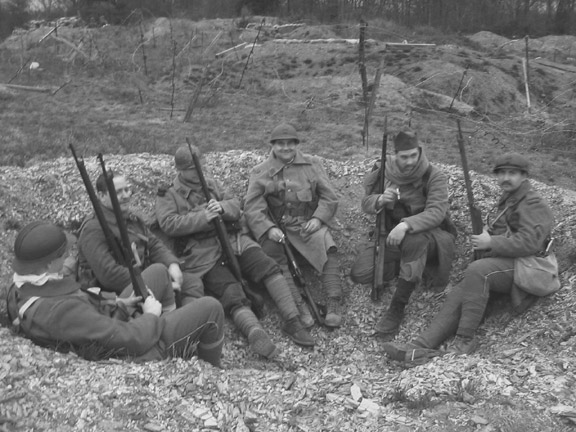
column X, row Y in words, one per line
column 184, row 188
column 52, row 288
column 513, row 198
column 276, row 165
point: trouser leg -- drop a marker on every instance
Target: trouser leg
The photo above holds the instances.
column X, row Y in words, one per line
column 157, row 279
column 445, row 323
column 198, row 324
column 332, row 285
column 482, row 276
column 362, row 271
column 192, row 288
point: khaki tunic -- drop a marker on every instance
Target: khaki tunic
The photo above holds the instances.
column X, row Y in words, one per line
column 180, row 213
column 295, row 193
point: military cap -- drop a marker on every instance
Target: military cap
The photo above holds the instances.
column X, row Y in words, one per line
column 511, row 161
column 405, row 141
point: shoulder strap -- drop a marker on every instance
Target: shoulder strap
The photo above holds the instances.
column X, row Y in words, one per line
column 425, row 180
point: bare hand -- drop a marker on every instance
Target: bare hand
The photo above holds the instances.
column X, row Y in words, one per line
column 152, row 306
column 176, row 275
column 276, row 235
column 482, row 241
column 397, row 234
column 388, row 197
column 213, row 209
column 311, row 226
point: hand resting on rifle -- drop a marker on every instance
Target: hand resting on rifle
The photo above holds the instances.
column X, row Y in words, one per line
column 213, row 209
column 275, row 234
column 152, row 306
column 482, row 241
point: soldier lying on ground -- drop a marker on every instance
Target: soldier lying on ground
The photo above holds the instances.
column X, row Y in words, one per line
column 296, row 189
column 183, row 211
column 519, row 226
column 420, row 234
column 52, row 310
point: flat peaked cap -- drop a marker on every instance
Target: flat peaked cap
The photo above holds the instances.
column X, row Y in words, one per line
column 37, row 244
column 512, row 161
column 405, row 141
column 183, row 158
column 284, row 131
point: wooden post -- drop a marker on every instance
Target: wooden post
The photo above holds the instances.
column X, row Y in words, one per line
column 526, row 67
column 362, row 60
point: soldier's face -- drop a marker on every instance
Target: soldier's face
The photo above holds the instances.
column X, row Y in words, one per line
column 284, row 149
column 123, row 191
column 407, row 159
column 510, row 179
column 190, row 175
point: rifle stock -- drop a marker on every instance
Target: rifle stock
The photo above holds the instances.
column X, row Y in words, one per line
column 127, row 255
column 380, row 237
column 475, row 213
column 223, row 237
column 295, row 270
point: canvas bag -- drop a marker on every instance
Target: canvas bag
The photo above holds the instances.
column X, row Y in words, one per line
column 537, row 275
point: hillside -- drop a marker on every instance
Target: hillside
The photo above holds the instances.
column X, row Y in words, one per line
column 522, row 376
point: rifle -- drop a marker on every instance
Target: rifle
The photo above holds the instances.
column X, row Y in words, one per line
column 295, row 270
column 475, row 213
column 110, row 239
column 380, row 239
column 220, row 228
column 127, row 255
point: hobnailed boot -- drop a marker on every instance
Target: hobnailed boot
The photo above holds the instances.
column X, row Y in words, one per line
column 258, row 339
column 333, row 313
column 296, row 331
column 390, row 322
column 212, row 353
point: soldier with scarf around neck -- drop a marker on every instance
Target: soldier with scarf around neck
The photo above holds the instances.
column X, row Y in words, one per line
column 49, row 307
column 418, row 243
column 184, row 213
column 518, row 226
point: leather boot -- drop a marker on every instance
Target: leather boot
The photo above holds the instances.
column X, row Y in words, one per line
column 296, row 331
column 250, row 327
column 463, row 345
column 333, row 312
column 389, row 324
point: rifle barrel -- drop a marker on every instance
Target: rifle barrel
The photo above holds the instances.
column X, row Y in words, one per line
column 138, row 284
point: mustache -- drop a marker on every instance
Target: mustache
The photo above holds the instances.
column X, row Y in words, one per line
column 506, row 183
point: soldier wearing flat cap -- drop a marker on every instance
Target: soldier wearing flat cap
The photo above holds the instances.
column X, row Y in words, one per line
column 420, row 236
column 52, row 310
column 518, row 226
